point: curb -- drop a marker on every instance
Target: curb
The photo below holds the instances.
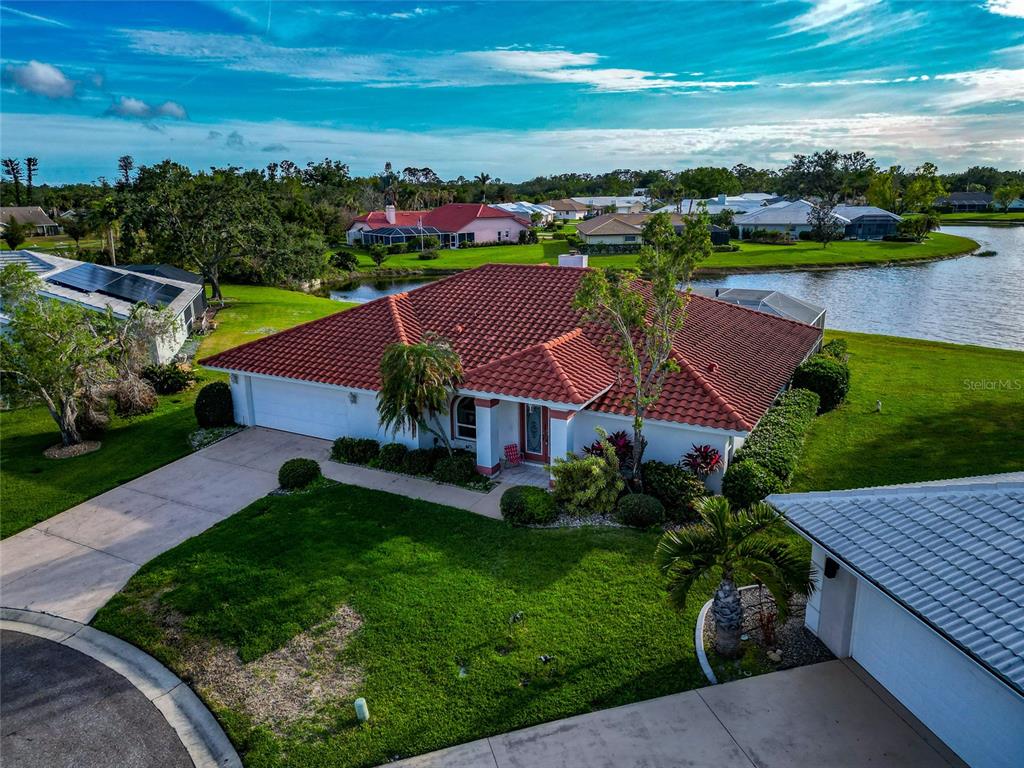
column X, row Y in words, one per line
column 198, row 730
column 698, row 639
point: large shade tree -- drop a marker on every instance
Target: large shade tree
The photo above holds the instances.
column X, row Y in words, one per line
column 644, row 316
column 723, row 546
column 418, row 382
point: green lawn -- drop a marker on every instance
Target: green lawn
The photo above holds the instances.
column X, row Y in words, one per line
column 56, row 243
column 801, row 254
column 34, row 488
column 985, row 217
column 436, row 589
column 948, row 410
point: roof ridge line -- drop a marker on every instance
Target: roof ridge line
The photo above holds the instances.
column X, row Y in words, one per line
column 548, row 346
column 710, row 389
column 396, row 317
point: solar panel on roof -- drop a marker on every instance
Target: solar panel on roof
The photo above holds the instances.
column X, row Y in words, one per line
column 135, row 288
column 85, row 277
column 32, row 262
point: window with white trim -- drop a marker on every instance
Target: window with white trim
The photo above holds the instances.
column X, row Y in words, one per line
column 465, row 418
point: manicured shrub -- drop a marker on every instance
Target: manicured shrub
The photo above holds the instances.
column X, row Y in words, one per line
column 527, row 505
column 638, row 510
column 345, row 261
column 421, row 461
column 458, row 469
column 836, row 349
column 777, row 441
column 427, row 255
column 826, row 376
column 588, row 485
column 214, row 407
column 298, row 473
column 746, row 482
column 169, row 378
column 675, row 487
column 392, row 457
column 355, row 450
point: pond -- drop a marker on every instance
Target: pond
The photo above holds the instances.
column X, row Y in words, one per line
column 970, row 300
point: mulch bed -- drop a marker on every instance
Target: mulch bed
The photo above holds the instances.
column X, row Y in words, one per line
column 793, row 645
column 69, row 451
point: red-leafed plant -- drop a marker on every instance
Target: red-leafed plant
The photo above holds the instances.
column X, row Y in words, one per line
column 703, row 461
column 620, row 441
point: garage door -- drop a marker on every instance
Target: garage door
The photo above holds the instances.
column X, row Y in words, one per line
column 956, row 698
column 303, row 408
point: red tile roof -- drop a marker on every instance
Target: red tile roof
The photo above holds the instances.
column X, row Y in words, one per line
column 518, row 336
column 447, row 218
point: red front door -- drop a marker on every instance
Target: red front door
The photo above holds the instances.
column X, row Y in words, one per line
column 533, row 432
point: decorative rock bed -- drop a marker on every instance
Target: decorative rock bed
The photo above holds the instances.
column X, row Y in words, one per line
column 793, row 645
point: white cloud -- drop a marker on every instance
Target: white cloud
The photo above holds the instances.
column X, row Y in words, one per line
column 1014, row 8
column 983, row 86
column 384, row 70
column 841, row 21
column 952, row 141
column 412, row 13
column 41, row 79
column 128, row 106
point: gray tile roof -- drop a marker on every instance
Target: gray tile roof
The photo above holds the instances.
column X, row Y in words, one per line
column 952, row 553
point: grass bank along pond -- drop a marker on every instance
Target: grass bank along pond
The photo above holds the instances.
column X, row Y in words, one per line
column 968, row 300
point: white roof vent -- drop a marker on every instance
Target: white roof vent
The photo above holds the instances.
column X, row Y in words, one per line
column 572, row 259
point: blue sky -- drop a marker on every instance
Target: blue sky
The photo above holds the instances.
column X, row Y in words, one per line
column 514, row 88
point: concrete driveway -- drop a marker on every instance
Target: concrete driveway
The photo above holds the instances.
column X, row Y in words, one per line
column 73, row 563
column 59, row 707
column 829, row 714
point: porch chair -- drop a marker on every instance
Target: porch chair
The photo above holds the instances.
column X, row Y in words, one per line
column 512, row 456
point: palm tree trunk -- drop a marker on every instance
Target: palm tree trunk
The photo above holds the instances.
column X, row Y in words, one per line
column 727, row 608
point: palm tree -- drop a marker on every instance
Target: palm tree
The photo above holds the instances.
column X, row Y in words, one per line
column 723, row 544
column 417, row 383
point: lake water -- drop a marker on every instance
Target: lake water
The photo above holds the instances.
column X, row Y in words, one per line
column 970, row 300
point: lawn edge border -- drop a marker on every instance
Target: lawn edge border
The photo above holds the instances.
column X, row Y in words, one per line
column 698, row 644
column 196, row 727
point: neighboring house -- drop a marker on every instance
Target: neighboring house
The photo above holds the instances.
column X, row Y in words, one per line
column 748, row 201
column 567, row 209
column 774, row 303
column 30, row 214
column 621, row 203
column 868, row 222
column 626, row 229
column 965, row 202
column 860, row 222
column 451, row 224
column 525, row 210
column 923, row 586
column 98, row 287
column 535, row 376
column 171, row 272
column 1017, row 204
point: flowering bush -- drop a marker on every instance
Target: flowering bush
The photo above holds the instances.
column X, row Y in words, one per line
column 590, row 484
column 703, row 461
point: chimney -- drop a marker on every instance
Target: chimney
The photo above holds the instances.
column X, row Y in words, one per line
column 572, row 259
column 389, row 213
column 722, row 199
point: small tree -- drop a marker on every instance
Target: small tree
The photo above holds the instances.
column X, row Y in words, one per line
column 53, row 350
column 417, row 385
column 16, row 233
column 724, row 545
column 1005, row 195
column 76, row 227
column 825, row 226
column 645, row 317
column 379, row 254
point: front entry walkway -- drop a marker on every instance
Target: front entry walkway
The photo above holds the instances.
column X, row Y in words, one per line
column 829, row 714
column 73, row 563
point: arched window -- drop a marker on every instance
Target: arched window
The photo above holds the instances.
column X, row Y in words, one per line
column 465, row 418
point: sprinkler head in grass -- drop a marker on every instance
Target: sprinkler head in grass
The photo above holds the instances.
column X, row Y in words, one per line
column 878, row 406
column 362, row 711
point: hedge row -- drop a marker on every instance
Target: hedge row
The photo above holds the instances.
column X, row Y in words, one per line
column 769, row 456
column 458, row 469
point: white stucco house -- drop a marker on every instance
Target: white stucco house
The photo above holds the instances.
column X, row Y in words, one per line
column 452, row 225
column 567, row 209
column 119, row 289
column 923, row 586
column 535, row 376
